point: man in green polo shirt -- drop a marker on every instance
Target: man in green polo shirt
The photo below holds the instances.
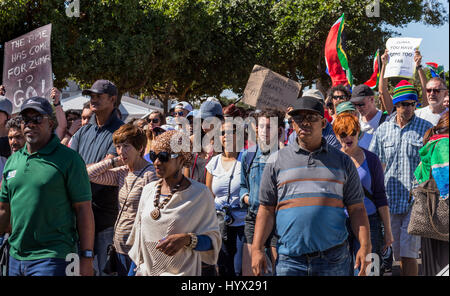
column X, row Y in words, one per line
column 46, row 196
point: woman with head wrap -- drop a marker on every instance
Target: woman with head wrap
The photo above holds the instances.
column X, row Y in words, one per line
column 176, row 226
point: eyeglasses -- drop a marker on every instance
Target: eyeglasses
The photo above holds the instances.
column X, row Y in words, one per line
column 434, row 90
column 406, row 104
column 359, row 105
column 307, row 117
column 180, row 113
column 339, row 97
column 162, row 156
column 154, row 120
column 34, row 119
column 344, row 135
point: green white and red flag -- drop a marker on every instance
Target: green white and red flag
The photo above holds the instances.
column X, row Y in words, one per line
column 335, row 57
column 375, row 78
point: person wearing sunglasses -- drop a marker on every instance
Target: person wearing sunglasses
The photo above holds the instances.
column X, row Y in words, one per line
column 337, row 95
column 130, row 172
column 397, row 143
column 306, row 188
column 155, row 120
column 436, row 92
column 46, row 196
column 346, row 127
column 176, row 226
column 223, row 178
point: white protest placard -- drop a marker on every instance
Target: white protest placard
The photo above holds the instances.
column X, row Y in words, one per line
column 401, row 57
column 27, row 66
column 267, row 89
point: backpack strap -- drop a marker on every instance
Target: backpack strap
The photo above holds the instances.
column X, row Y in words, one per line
column 249, row 159
column 383, row 118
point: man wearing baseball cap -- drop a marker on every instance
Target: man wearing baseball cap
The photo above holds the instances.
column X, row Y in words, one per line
column 94, row 143
column 327, row 132
column 363, row 98
column 310, row 221
column 46, row 196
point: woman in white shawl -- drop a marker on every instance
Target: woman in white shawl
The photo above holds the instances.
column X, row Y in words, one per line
column 176, row 226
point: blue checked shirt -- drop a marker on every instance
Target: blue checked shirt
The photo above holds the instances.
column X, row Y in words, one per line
column 398, row 148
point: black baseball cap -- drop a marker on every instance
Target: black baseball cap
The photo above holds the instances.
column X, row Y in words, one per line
column 360, row 92
column 307, row 103
column 101, row 87
column 39, row 104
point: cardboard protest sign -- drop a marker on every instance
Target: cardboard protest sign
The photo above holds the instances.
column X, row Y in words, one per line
column 27, row 67
column 267, row 89
column 401, row 57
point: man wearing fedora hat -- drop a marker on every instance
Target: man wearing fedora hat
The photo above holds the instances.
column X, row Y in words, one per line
column 310, row 221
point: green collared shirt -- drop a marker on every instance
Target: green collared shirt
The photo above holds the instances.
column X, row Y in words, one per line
column 41, row 188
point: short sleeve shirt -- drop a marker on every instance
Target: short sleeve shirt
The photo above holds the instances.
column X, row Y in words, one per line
column 41, row 188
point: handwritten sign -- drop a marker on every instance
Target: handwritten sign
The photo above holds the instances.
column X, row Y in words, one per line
column 401, row 57
column 267, row 89
column 27, row 67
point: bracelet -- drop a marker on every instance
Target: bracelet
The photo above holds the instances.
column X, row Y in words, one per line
column 57, row 104
column 419, row 67
column 113, row 162
column 194, row 241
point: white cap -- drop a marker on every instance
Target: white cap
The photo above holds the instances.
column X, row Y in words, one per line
column 184, row 105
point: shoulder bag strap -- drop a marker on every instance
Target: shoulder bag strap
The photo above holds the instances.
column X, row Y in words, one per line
column 229, row 183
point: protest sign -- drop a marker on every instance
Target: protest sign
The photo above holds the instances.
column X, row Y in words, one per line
column 27, row 67
column 401, row 57
column 267, row 89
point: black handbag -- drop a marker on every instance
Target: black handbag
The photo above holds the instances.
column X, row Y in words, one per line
column 111, row 260
column 4, row 257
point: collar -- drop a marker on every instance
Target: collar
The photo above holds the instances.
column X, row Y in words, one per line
column 323, row 147
column 47, row 149
column 394, row 119
column 111, row 119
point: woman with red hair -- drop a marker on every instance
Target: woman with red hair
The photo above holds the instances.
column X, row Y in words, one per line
column 347, row 129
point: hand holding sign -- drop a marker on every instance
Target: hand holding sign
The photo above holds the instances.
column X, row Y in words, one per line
column 401, row 57
column 417, row 58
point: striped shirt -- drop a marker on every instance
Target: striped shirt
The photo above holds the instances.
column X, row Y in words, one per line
column 310, row 191
column 398, row 148
column 103, row 173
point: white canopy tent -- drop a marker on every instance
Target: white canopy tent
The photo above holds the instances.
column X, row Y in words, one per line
column 129, row 107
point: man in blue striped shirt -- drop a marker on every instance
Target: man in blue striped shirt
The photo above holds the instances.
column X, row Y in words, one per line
column 307, row 187
column 397, row 143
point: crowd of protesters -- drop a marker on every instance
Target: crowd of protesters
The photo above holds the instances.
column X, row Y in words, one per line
column 312, row 191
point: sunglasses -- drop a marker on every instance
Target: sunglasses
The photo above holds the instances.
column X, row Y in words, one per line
column 434, row 90
column 162, row 156
column 344, row 135
column 33, row 119
column 181, row 113
column 307, row 117
column 406, row 104
column 359, row 105
column 154, row 120
column 339, row 97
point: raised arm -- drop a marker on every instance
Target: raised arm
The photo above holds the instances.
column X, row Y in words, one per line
column 385, row 96
column 59, row 112
column 422, row 77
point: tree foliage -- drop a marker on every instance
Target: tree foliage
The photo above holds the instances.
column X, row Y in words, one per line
column 194, row 48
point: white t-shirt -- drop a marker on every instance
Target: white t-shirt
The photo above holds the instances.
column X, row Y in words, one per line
column 220, row 182
column 368, row 129
column 425, row 113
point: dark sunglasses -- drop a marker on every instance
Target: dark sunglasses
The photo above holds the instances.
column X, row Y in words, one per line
column 307, row 117
column 33, row 119
column 154, row 120
column 359, row 105
column 434, row 90
column 344, row 135
column 339, row 97
column 406, row 104
column 162, row 156
column 181, row 113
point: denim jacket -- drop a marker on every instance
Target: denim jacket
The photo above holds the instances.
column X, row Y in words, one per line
column 251, row 181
